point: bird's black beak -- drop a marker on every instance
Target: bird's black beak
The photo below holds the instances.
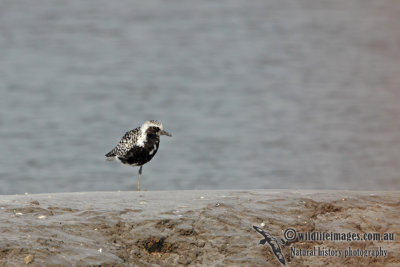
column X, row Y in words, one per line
column 165, row 133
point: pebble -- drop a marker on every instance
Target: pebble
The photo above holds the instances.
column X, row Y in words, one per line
column 28, row 259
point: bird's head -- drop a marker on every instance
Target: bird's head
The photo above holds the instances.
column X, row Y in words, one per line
column 154, row 127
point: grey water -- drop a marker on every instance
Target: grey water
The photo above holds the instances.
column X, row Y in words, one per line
column 257, row 94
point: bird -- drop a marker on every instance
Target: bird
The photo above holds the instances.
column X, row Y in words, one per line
column 273, row 243
column 138, row 146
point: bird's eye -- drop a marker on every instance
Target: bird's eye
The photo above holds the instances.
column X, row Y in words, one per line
column 153, row 129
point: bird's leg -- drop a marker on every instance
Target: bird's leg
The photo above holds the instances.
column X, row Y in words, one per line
column 138, row 181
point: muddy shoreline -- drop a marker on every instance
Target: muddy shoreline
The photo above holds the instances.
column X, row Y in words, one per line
column 201, row 228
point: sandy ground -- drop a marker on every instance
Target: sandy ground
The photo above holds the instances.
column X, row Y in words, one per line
column 194, row 228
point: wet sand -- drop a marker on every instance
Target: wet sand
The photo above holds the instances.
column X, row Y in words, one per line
column 193, row 228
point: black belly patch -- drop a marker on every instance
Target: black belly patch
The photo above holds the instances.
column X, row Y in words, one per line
column 140, row 155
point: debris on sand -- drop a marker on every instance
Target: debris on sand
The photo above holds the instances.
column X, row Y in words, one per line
column 28, row 259
column 197, row 228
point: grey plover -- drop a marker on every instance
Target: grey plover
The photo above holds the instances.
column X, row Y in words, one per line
column 138, row 146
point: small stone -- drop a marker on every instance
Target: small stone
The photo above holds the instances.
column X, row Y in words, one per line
column 28, row 259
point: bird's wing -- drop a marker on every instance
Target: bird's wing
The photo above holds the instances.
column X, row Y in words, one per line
column 276, row 249
column 126, row 143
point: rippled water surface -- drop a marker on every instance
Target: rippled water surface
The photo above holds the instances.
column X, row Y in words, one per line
column 257, row 94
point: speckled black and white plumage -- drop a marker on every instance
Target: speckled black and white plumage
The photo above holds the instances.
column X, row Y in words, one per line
column 139, row 145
